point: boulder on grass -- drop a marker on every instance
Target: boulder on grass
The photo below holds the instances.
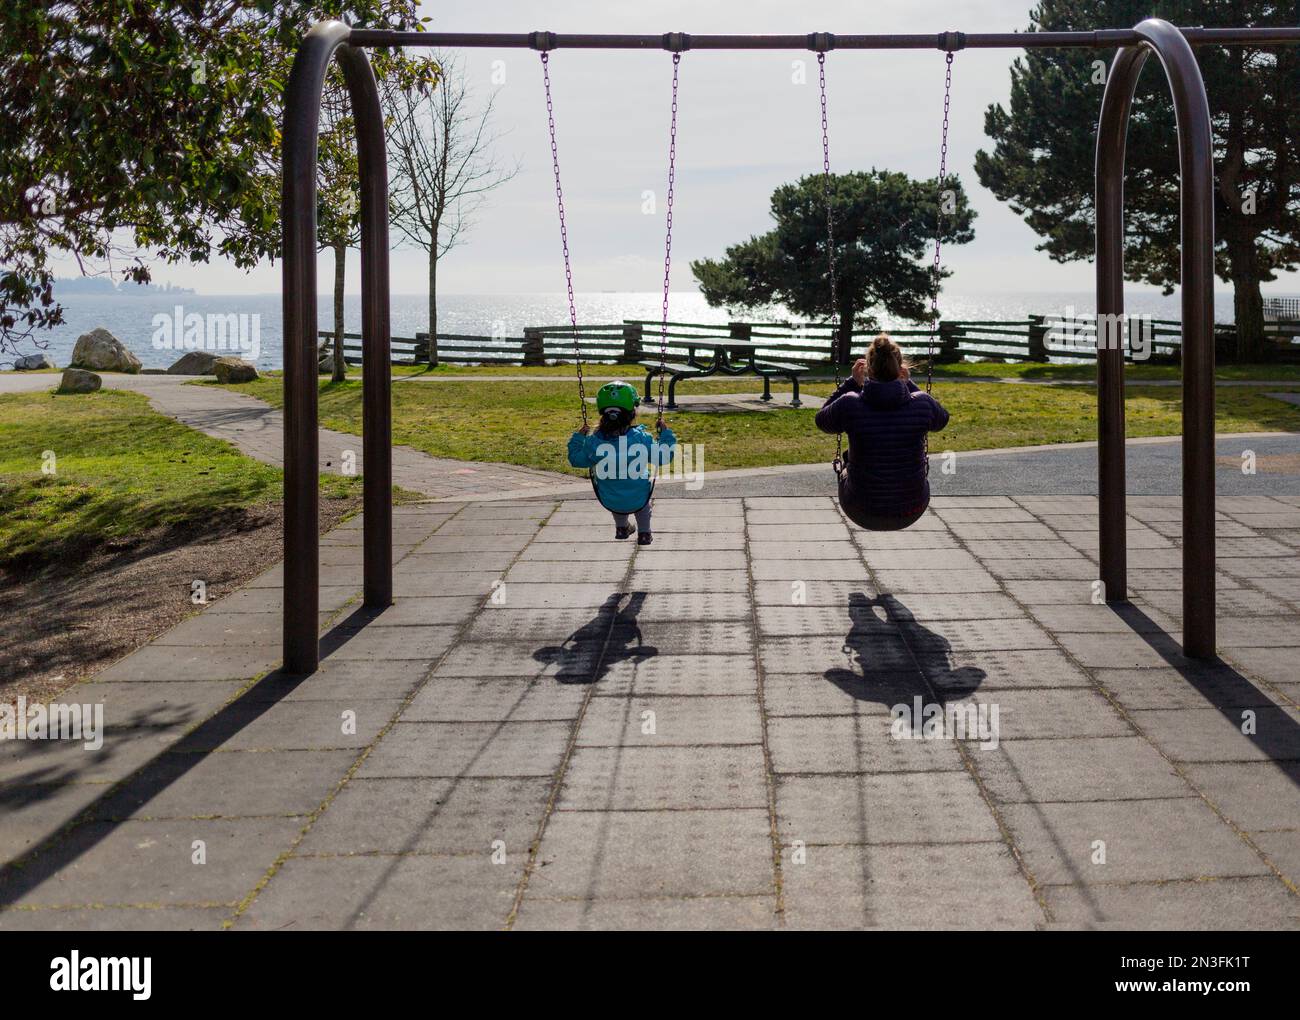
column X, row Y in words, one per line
column 78, row 380
column 326, row 365
column 233, row 370
column 102, row 351
column 33, row 362
column 193, row 363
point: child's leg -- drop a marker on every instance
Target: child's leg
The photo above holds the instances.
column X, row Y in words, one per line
column 622, row 525
column 643, row 519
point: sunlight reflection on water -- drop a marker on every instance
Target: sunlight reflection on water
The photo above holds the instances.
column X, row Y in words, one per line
column 130, row 318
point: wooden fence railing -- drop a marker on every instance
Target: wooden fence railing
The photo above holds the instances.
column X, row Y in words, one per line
column 1037, row 338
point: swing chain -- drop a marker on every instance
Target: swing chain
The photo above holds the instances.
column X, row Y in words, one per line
column 564, row 238
column 668, row 245
column 938, row 244
column 838, row 462
column 830, row 218
column 938, row 232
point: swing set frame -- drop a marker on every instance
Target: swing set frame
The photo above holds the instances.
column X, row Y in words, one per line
column 333, row 40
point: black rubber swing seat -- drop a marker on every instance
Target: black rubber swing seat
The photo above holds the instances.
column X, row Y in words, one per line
column 868, row 522
column 855, row 511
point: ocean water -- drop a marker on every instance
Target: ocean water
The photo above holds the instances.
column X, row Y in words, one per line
column 132, row 319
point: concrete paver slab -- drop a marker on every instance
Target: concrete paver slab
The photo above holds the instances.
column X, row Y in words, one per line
column 552, row 729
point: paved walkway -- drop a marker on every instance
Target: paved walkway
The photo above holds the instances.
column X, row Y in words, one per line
column 257, row 429
column 1153, row 467
column 697, row 733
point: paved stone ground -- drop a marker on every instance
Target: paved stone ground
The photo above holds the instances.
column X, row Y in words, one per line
column 696, row 733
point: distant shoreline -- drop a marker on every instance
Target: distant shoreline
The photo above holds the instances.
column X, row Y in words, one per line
column 134, row 318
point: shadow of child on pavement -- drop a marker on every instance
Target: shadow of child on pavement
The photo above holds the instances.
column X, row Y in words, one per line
column 613, row 635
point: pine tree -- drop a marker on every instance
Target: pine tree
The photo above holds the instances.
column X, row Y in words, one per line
column 1043, row 155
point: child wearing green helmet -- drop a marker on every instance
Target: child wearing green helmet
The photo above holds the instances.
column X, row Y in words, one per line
column 619, row 456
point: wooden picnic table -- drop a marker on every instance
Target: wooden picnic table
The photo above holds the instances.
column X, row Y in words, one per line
column 725, row 356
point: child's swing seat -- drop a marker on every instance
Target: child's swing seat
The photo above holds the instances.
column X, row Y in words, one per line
column 612, row 505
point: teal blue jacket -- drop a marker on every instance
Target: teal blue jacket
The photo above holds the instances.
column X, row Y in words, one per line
column 620, row 465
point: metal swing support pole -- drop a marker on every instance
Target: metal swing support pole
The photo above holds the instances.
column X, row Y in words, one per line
column 325, row 42
column 1196, row 192
column 331, row 40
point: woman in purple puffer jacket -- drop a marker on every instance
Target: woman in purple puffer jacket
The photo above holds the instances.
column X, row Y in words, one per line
column 886, row 417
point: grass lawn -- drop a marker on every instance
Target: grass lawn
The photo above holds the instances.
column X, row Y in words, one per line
column 120, row 469
column 528, row 422
column 1132, row 373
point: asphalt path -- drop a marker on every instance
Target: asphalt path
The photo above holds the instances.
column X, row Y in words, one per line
column 1154, row 468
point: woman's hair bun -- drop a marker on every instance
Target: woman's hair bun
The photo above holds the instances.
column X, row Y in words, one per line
column 884, row 359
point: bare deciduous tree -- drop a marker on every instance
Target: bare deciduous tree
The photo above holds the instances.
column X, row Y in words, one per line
column 440, row 146
column 338, row 220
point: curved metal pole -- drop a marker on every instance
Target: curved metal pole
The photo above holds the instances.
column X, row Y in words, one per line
column 1196, row 187
column 376, row 380
column 1112, row 129
column 301, row 447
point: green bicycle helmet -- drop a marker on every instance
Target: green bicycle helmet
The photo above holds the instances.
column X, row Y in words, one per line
column 616, row 394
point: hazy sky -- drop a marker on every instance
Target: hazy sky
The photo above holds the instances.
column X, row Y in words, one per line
column 744, row 127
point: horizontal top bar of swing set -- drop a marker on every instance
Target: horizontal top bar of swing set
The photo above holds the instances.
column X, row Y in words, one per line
column 1101, row 39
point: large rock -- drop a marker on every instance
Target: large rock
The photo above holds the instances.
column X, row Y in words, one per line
column 233, row 370
column 193, row 363
column 33, row 362
column 78, row 380
column 326, row 365
column 102, row 351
